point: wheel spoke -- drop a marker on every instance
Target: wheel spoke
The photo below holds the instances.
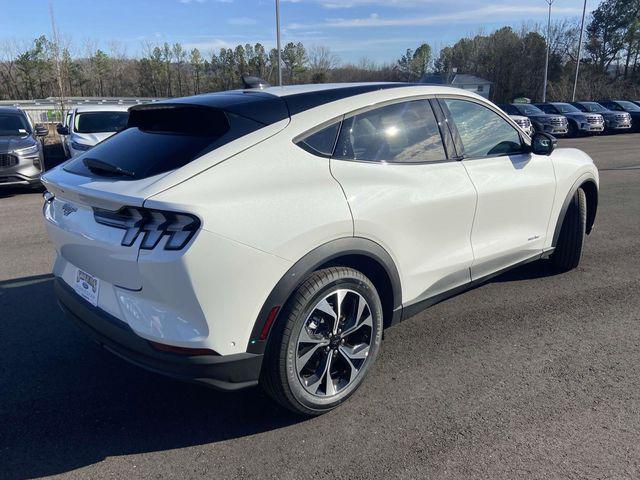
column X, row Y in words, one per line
column 304, row 359
column 325, row 307
column 358, row 352
column 353, row 370
column 313, row 387
column 340, row 296
column 368, row 322
column 330, row 388
column 305, row 337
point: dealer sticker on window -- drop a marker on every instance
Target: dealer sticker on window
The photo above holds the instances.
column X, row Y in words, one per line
column 87, row 287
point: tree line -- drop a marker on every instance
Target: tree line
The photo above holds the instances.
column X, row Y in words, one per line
column 513, row 59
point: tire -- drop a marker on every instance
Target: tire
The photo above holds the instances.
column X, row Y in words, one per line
column 305, row 342
column 571, row 240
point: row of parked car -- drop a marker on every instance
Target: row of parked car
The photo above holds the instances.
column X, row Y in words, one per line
column 576, row 118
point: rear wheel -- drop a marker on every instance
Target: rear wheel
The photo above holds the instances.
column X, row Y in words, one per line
column 571, row 240
column 325, row 342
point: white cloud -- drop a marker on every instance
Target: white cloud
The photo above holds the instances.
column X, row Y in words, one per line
column 492, row 12
column 209, row 45
column 242, row 21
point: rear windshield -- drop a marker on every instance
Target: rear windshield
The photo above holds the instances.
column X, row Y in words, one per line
column 161, row 139
column 13, row 124
column 98, row 122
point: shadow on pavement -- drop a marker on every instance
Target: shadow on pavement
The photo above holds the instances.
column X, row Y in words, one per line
column 65, row 403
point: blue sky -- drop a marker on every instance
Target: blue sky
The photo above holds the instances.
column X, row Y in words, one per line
column 377, row 29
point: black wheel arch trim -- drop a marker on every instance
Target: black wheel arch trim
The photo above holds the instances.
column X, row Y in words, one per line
column 591, row 210
column 311, row 262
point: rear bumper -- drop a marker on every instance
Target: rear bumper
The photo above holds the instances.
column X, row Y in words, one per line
column 227, row 372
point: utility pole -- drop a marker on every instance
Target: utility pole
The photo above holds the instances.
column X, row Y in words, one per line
column 575, row 82
column 546, row 63
column 278, row 42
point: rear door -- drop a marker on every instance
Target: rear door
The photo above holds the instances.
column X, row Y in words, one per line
column 407, row 194
column 515, row 188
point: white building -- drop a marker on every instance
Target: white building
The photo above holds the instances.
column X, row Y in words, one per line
column 460, row 80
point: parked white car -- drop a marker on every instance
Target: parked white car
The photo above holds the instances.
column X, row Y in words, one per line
column 84, row 127
column 269, row 236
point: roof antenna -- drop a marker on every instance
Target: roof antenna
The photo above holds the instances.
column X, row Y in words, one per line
column 250, row 82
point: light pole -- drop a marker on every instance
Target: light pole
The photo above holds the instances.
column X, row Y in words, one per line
column 546, row 62
column 278, row 42
column 575, row 82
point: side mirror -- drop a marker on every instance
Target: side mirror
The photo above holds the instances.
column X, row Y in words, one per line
column 41, row 130
column 543, row 143
column 62, row 130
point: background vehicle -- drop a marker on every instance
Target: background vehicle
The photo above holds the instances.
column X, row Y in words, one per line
column 21, row 153
column 625, row 106
column 579, row 122
column 524, row 123
column 247, row 237
column 85, row 126
column 66, row 122
column 612, row 120
column 542, row 122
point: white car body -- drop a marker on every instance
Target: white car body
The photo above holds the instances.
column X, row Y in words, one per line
column 270, row 211
column 76, row 138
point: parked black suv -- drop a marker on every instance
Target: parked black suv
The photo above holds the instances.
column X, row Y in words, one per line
column 542, row 122
column 21, row 153
column 613, row 121
column 625, row 106
column 579, row 122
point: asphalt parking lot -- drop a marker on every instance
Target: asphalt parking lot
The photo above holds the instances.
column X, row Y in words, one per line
column 532, row 376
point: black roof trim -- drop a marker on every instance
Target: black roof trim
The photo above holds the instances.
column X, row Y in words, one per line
column 259, row 106
column 267, row 108
column 299, row 102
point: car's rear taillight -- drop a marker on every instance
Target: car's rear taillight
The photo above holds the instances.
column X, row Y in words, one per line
column 152, row 224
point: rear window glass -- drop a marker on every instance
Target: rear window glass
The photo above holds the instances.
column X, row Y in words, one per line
column 160, row 140
column 98, row 122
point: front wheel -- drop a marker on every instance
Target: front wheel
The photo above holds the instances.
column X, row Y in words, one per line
column 325, row 342
column 572, row 233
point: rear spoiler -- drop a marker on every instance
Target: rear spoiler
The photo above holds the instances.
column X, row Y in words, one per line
column 261, row 107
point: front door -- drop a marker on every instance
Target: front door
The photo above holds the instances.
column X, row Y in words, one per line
column 515, row 187
column 405, row 194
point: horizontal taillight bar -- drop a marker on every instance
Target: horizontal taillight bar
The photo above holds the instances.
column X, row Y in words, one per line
column 151, row 224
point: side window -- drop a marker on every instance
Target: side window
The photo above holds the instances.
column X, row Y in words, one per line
column 483, row 132
column 322, row 141
column 404, row 132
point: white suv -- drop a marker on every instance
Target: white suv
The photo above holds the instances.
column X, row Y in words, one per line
column 83, row 127
column 269, row 236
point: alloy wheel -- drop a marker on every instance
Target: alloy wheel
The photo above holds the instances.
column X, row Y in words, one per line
column 334, row 342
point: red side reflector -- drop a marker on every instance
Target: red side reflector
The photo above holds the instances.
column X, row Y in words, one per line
column 267, row 325
column 182, row 350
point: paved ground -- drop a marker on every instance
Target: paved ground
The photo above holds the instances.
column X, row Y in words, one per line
column 532, row 376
